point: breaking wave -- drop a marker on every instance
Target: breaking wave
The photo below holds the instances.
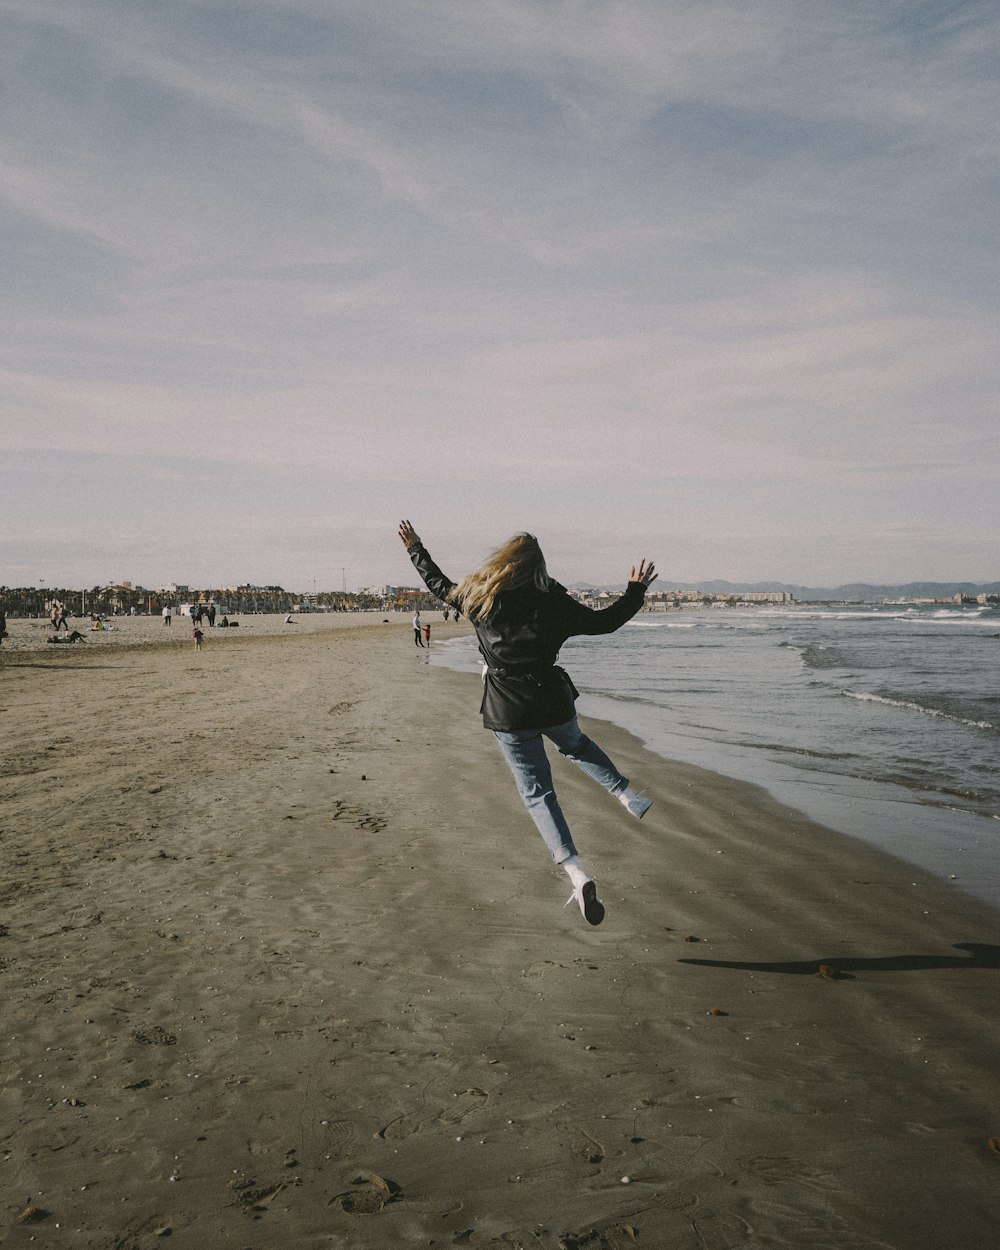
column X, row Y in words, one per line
column 909, row 706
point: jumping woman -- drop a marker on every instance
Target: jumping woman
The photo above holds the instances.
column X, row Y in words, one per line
column 521, row 618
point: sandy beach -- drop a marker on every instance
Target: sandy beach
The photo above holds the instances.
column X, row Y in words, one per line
column 284, row 963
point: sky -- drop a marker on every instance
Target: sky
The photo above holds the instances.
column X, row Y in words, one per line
column 701, row 281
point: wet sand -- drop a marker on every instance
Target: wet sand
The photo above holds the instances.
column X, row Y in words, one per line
column 283, row 963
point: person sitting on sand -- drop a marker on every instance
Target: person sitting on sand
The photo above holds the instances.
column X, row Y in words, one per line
column 522, row 617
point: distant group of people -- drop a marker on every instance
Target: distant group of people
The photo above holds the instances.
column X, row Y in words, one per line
column 57, row 615
column 422, row 629
column 199, row 612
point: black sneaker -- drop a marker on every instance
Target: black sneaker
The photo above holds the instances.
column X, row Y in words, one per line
column 590, row 905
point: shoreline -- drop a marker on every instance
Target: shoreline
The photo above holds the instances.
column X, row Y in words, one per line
column 287, row 964
column 960, row 848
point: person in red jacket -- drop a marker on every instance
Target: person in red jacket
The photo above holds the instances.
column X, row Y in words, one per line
column 522, row 617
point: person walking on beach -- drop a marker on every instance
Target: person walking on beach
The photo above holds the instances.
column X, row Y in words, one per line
column 166, row 614
column 522, row 617
column 417, row 629
column 198, row 635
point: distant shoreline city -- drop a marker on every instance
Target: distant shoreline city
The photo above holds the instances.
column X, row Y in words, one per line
column 748, row 598
column 124, row 598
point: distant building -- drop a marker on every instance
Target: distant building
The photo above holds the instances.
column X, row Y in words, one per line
column 674, row 598
column 762, row 596
column 662, row 599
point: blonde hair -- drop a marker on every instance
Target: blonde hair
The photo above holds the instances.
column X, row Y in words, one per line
column 519, row 562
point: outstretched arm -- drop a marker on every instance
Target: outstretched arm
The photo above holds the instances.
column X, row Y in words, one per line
column 437, row 583
column 584, row 620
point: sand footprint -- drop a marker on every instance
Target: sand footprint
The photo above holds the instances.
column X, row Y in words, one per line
column 403, row 1126
column 778, row 1169
column 339, row 1135
column 369, row 1194
column 251, row 1197
column 361, row 819
column 539, row 969
column 466, row 1101
column 614, row 1237
column 587, row 1149
column 155, row 1036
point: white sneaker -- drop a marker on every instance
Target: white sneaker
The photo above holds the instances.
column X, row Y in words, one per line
column 636, row 802
column 590, row 905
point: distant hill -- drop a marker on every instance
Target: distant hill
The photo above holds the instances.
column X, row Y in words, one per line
column 854, row 592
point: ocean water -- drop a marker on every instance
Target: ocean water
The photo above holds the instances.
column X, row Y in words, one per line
column 882, row 722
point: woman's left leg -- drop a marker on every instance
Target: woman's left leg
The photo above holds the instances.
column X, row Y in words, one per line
column 524, row 751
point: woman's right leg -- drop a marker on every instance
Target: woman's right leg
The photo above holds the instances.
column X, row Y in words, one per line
column 524, row 750
column 572, row 742
column 586, row 754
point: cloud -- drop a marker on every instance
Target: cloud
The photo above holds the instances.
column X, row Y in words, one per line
column 664, row 258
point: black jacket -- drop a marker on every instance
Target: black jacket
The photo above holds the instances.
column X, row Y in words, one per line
column 522, row 687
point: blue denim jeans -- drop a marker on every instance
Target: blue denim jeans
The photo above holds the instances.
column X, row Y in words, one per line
column 524, row 750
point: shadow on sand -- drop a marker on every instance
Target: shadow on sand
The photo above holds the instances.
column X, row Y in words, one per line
column 979, row 955
column 53, row 665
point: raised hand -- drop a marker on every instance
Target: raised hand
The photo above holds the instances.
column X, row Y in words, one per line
column 646, row 573
column 408, row 536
